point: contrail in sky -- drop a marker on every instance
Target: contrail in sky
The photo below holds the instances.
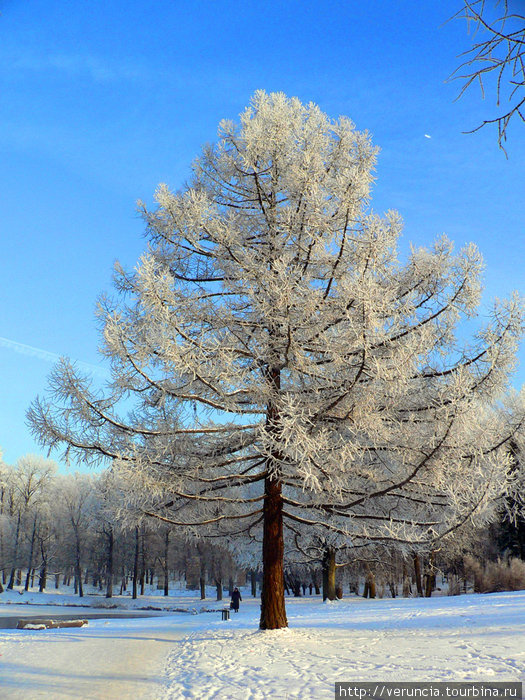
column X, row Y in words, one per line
column 47, row 356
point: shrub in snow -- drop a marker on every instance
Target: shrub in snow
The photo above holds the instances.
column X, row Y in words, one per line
column 496, row 576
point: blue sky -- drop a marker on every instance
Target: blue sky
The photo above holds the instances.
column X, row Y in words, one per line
column 101, row 101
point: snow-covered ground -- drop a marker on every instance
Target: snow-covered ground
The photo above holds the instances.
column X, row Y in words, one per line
column 178, row 655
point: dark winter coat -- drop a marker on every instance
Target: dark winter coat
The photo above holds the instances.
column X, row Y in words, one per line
column 236, row 597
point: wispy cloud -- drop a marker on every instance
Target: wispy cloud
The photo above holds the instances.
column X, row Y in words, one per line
column 82, row 65
column 47, row 356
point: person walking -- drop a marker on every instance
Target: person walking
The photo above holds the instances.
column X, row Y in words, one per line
column 236, row 598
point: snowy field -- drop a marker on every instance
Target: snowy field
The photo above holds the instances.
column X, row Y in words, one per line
column 183, row 655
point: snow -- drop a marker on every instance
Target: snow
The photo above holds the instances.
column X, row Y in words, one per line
column 174, row 655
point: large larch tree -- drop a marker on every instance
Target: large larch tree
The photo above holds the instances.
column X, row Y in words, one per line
column 275, row 365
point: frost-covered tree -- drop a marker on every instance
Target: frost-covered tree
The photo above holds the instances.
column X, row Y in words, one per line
column 497, row 57
column 29, row 481
column 78, row 505
column 4, row 495
column 274, row 362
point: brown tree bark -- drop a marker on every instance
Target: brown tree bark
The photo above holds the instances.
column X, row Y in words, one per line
column 417, row 575
column 273, row 613
column 329, row 569
column 430, row 577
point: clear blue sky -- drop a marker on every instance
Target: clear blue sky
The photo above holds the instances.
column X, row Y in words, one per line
column 101, row 101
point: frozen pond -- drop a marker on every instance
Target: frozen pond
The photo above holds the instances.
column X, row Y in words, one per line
column 9, row 618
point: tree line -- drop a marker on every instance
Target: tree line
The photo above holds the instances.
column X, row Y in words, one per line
column 61, row 531
column 66, row 530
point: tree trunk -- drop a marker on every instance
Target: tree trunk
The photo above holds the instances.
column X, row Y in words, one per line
column 31, row 552
column 78, row 572
column 253, row 581
column 329, row 569
column 166, row 563
column 11, row 583
column 42, row 582
column 406, row 583
column 273, row 612
column 315, row 581
column 136, row 564
column 57, row 581
column 430, row 577
column 109, row 574
column 417, row 575
column 218, row 587
column 143, row 565
column 371, row 584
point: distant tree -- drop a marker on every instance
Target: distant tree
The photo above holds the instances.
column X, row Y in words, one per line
column 498, row 56
column 29, row 480
column 78, row 508
column 4, row 491
column 274, row 362
column 105, row 517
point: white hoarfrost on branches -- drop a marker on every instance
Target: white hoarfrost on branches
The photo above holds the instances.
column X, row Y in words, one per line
column 272, row 357
column 496, row 59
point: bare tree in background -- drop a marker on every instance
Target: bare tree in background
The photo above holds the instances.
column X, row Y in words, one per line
column 496, row 56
